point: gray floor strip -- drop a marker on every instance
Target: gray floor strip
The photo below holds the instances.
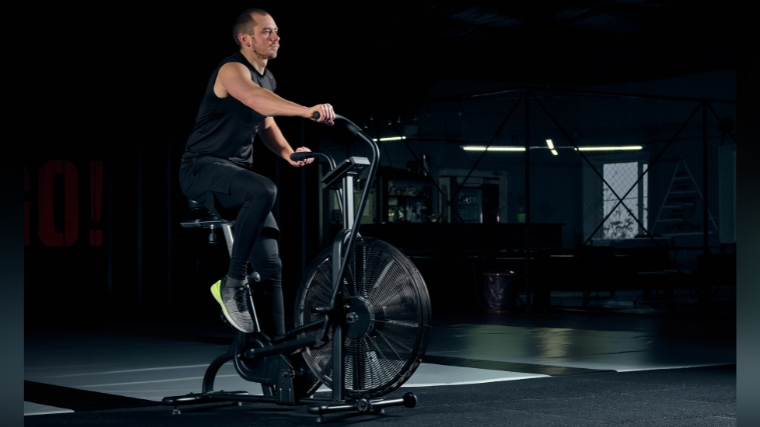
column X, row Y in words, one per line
column 78, row 400
column 527, row 368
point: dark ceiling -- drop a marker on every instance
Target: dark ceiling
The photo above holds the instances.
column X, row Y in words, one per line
column 394, row 49
column 370, row 56
column 575, row 42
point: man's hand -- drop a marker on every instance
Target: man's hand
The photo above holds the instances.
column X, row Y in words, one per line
column 302, row 162
column 325, row 114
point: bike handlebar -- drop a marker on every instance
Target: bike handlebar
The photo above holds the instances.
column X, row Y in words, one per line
column 303, row 155
column 351, row 127
column 356, row 130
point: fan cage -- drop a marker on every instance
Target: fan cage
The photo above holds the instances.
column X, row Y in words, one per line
column 381, row 360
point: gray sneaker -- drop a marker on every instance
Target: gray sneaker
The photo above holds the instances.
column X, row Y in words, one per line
column 235, row 306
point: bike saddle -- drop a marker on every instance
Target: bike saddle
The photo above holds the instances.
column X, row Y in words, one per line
column 197, row 207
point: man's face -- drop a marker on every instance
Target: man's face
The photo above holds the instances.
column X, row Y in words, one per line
column 264, row 40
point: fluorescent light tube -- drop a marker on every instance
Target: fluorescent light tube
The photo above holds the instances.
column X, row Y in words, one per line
column 619, row 148
column 389, row 138
column 550, row 144
column 491, row 148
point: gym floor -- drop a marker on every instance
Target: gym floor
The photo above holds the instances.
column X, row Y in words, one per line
column 562, row 367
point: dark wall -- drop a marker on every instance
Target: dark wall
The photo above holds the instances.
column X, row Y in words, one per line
column 117, row 96
column 103, row 160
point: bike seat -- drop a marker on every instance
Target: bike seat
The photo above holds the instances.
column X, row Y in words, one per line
column 197, row 206
column 200, row 210
column 204, row 217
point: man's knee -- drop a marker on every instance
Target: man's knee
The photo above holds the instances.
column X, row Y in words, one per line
column 269, row 191
column 262, row 190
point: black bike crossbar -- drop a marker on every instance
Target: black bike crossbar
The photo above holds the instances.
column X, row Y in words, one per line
column 298, row 329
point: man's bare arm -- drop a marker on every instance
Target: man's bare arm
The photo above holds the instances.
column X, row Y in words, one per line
column 234, row 80
column 275, row 141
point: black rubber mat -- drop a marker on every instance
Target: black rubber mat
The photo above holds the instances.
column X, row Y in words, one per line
column 675, row 397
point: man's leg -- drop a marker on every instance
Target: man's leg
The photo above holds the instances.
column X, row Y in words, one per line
column 255, row 194
column 265, row 260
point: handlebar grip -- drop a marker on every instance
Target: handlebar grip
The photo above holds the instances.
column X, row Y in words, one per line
column 303, row 155
column 353, row 128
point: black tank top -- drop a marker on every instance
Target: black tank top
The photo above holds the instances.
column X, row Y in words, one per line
column 225, row 127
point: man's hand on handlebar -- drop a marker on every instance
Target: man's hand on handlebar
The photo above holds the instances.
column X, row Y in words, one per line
column 322, row 113
column 302, row 162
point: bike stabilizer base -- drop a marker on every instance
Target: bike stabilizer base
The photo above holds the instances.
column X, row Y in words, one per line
column 361, row 406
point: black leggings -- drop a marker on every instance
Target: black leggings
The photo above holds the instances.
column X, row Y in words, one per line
column 267, row 293
column 257, row 246
column 255, row 195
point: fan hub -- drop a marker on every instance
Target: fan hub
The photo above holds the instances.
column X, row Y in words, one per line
column 360, row 317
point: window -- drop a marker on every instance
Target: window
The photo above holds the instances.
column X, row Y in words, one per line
column 623, row 179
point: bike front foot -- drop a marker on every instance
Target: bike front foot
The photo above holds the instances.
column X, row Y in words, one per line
column 360, row 407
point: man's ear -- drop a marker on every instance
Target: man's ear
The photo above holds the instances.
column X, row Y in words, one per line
column 244, row 39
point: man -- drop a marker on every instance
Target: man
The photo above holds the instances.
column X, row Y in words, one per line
column 215, row 170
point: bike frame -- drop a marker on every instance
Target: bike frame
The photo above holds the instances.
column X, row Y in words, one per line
column 340, row 178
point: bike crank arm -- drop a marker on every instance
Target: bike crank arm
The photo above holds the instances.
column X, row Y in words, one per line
column 317, row 324
column 285, row 347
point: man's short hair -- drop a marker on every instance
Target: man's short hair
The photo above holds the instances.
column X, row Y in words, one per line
column 244, row 22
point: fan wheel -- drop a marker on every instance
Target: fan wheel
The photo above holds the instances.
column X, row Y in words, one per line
column 387, row 326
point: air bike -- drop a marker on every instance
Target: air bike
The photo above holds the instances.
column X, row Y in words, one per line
column 362, row 316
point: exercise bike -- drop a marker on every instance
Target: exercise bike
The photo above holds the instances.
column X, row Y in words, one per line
column 362, row 316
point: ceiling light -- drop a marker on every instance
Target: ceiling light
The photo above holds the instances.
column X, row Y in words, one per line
column 618, row 148
column 389, row 138
column 491, row 148
column 550, row 144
